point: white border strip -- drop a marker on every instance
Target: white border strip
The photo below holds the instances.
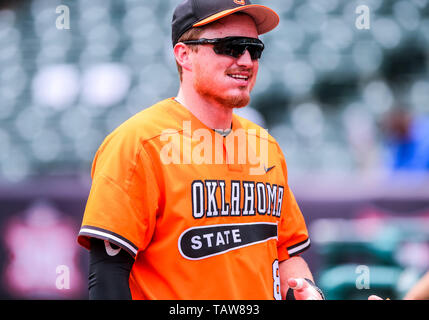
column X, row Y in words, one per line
column 299, row 248
column 109, row 236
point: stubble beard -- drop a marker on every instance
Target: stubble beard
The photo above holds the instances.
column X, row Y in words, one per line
column 233, row 101
column 227, row 100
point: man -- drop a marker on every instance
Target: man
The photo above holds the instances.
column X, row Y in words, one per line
column 179, row 208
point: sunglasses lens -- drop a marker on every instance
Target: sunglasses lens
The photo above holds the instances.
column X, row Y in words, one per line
column 255, row 51
column 236, row 48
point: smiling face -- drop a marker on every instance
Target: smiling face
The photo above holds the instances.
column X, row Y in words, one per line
column 223, row 79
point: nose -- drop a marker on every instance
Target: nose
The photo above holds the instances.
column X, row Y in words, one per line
column 245, row 59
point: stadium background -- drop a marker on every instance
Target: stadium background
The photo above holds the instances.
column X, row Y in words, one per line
column 340, row 100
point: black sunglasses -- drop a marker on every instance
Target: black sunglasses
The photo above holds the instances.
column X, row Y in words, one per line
column 233, row 46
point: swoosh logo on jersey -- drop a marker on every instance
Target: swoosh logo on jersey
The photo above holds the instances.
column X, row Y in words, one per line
column 207, row 241
column 268, row 169
column 110, row 251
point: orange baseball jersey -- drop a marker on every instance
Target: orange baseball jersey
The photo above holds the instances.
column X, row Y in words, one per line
column 204, row 216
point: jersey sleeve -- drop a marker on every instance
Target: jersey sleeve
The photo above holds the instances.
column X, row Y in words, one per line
column 123, row 199
column 293, row 238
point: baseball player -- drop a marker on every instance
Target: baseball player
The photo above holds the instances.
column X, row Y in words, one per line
column 189, row 201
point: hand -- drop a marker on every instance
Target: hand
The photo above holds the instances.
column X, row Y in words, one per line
column 374, row 297
column 303, row 290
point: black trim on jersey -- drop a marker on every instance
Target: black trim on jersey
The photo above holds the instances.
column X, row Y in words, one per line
column 251, row 185
column 272, row 191
column 295, row 253
column 257, row 193
column 280, row 191
column 208, row 184
column 224, row 205
column 116, row 239
column 236, row 183
column 201, row 200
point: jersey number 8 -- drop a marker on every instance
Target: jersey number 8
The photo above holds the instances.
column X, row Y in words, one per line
column 276, row 281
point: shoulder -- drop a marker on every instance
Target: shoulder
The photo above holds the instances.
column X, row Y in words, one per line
column 150, row 122
column 145, row 125
column 126, row 142
column 119, row 153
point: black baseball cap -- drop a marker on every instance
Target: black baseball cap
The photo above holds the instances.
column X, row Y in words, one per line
column 196, row 13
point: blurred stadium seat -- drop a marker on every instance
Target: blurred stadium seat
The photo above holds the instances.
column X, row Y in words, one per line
column 391, row 248
column 312, row 55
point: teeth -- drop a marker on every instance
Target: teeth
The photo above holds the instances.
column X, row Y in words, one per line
column 236, row 76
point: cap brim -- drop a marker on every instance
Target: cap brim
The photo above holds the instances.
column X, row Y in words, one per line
column 265, row 18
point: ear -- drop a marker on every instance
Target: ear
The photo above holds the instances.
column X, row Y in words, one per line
column 183, row 56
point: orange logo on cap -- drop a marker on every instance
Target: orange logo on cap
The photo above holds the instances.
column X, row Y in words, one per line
column 240, row 2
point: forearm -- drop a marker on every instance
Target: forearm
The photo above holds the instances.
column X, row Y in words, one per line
column 108, row 274
column 295, row 267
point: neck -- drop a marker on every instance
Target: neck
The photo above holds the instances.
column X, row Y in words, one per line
column 212, row 114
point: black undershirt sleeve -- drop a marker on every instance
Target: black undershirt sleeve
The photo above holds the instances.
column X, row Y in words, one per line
column 108, row 275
